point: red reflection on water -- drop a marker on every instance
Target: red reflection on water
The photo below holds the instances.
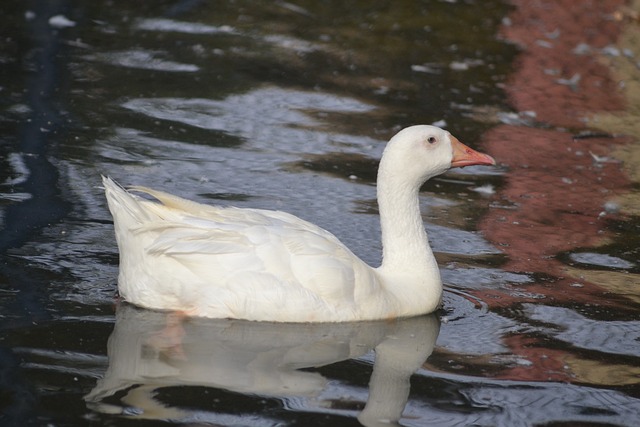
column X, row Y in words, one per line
column 553, row 201
column 556, row 186
column 559, row 75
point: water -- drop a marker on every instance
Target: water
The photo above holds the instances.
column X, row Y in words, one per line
column 287, row 106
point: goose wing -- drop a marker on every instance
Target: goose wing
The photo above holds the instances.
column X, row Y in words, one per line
column 243, row 252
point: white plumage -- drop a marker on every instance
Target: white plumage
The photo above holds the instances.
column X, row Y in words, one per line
column 226, row 262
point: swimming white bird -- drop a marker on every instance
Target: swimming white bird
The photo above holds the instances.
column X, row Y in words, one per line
column 225, row 262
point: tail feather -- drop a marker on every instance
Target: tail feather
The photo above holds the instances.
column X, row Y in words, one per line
column 171, row 201
column 125, row 207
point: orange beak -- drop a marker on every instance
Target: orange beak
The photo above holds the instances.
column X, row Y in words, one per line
column 466, row 156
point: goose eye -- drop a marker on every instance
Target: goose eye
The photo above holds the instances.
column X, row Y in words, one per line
column 432, row 140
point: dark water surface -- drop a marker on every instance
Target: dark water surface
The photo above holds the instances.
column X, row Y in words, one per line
column 286, row 106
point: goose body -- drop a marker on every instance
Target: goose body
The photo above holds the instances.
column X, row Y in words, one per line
column 226, row 262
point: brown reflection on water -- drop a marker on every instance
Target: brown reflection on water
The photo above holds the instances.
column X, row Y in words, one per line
column 560, row 75
column 557, row 187
column 553, row 202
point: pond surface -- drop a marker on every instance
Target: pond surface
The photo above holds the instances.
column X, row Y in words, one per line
column 288, row 105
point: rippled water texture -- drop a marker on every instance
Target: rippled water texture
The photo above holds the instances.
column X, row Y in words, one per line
column 287, row 105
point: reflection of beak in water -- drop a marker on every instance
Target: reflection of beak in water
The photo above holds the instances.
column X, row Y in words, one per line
column 149, row 350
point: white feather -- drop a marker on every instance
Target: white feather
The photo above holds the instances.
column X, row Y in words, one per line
column 176, row 254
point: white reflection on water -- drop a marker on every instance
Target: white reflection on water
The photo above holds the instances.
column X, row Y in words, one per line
column 143, row 60
column 481, row 278
column 151, row 350
column 521, row 404
column 268, row 118
column 600, row 260
column 614, row 336
column 170, row 25
column 471, row 329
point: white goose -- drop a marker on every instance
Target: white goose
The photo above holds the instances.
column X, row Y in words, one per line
column 225, row 262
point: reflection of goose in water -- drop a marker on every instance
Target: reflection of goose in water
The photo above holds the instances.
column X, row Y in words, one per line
column 148, row 351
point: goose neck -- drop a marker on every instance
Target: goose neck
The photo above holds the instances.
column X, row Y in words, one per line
column 404, row 239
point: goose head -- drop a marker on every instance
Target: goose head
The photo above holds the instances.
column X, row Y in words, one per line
column 420, row 152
